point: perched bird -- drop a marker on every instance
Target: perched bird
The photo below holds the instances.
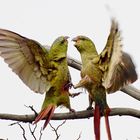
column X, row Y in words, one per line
column 41, row 70
column 103, row 73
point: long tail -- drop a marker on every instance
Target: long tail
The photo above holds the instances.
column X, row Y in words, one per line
column 45, row 113
column 97, row 118
column 107, row 124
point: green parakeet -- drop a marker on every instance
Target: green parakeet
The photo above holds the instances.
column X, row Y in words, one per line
column 41, row 70
column 108, row 72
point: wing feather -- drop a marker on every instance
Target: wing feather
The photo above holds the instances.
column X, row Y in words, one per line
column 124, row 74
column 27, row 58
column 118, row 66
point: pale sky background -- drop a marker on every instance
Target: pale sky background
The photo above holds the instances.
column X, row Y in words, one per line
column 44, row 21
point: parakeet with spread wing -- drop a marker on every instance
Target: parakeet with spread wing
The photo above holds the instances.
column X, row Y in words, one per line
column 108, row 72
column 41, row 70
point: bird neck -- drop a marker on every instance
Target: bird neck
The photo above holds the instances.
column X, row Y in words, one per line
column 88, row 56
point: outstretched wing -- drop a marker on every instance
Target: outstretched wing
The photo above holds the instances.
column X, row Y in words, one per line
column 27, row 58
column 118, row 67
column 124, row 74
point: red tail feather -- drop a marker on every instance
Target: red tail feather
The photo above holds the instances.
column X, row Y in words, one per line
column 48, row 113
column 107, row 124
column 97, row 122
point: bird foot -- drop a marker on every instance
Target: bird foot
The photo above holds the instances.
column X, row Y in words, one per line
column 80, row 84
column 90, row 108
column 68, row 86
column 74, row 94
column 83, row 82
column 72, row 110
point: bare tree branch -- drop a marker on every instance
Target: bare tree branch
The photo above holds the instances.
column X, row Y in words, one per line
column 79, row 136
column 56, row 129
column 23, row 130
column 74, row 63
column 130, row 90
column 76, row 115
column 41, row 133
column 33, row 131
column 31, row 107
column 56, row 133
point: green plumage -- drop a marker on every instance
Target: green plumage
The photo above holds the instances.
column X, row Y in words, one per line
column 106, row 72
column 41, row 70
column 58, row 75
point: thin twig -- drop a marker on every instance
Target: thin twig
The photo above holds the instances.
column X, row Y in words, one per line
column 33, row 131
column 61, row 124
column 23, row 130
column 30, row 129
column 41, row 133
column 31, row 107
column 15, row 123
column 56, row 133
column 79, row 136
column 57, row 128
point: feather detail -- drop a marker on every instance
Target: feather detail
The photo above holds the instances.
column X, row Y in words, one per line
column 116, row 64
column 97, row 118
column 107, row 123
column 51, row 112
column 125, row 73
column 27, row 58
column 45, row 113
column 111, row 55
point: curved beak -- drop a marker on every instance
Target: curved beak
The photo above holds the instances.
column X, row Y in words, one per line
column 75, row 39
column 66, row 37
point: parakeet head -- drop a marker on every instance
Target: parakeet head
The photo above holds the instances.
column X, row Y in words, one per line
column 59, row 48
column 60, row 42
column 83, row 43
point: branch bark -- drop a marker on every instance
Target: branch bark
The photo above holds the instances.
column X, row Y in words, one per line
column 69, row 116
column 132, row 91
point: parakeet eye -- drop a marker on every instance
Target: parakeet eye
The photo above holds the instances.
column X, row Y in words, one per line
column 82, row 38
column 62, row 41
